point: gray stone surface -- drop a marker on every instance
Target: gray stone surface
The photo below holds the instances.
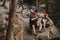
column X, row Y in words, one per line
column 47, row 34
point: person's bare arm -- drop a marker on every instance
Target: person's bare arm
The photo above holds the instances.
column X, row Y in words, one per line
column 50, row 21
column 34, row 18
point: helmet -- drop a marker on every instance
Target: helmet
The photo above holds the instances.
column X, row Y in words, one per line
column 46, row 15
column 35, row 13
column 35, row 10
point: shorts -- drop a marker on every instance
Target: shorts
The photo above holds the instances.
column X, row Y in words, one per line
column 33, row 23
column 47, row 25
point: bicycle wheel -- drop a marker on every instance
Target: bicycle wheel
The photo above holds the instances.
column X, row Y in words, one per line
column 25, row 13
column 24, row 10
column 19, row 9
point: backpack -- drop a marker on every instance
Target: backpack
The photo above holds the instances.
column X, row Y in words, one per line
column 47, row 23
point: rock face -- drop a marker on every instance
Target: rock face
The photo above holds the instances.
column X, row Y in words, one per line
column 22, row 30
column 48, row 33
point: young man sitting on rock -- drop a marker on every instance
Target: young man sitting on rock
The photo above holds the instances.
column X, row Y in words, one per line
column 33, row 21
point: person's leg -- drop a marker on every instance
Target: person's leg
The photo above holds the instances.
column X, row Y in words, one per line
column 33, row 27
column 40, row 27
column 44, row 24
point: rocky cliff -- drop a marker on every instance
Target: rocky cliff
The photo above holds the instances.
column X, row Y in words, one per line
column 22, row 30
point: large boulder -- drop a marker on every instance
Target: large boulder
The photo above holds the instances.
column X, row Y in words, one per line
column 22, row 29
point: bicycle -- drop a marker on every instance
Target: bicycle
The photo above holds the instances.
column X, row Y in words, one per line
column 23, row 9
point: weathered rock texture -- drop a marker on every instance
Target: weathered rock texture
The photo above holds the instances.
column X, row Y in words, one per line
column 22, row 30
